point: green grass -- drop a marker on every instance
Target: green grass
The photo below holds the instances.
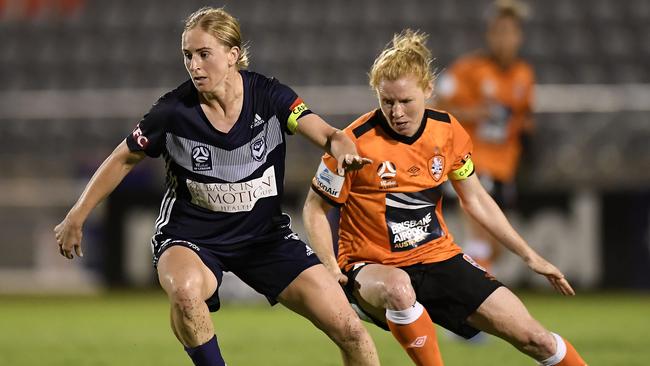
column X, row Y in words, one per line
column 132, row 329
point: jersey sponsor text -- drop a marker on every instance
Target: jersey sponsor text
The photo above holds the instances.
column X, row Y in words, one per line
column 233, row 197
column 410, row 232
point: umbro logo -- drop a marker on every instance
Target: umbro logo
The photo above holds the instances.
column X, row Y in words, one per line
column 418, row 342
column 413, row 171
column 258, row 121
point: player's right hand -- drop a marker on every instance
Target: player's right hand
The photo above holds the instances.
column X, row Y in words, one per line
column 68, row 236
column 341, row 278
column 552, row 274
column 335, row 271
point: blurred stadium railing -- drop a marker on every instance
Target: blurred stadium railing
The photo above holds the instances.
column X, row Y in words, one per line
column 75, row 82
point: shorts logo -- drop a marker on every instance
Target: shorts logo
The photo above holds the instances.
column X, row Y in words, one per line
column 201, row 158
column 418, row 342
column 292, row 236
column 387, row 171
column 309, row 250
column 471, row 261
column 437, row 167
column 258, row 149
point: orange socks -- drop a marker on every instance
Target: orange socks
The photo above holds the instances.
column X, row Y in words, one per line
column 565, row 354
column 572, row 357
column 415, row 331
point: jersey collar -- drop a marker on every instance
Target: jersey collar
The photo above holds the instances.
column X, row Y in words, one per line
column 409, row 140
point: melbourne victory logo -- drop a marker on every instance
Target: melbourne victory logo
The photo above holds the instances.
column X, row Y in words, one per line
column 258, row 149
column 201, row 158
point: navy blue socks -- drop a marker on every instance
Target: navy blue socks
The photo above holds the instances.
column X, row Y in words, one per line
column 207, row 354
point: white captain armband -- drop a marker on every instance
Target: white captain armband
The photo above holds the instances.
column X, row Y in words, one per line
column 465, row 171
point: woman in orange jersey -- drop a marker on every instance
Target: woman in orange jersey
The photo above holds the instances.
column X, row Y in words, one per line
column 397, row 260
column 491, row 93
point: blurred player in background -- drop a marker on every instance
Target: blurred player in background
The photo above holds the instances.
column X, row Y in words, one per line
column 222, row 135
column 491, row 93
column 397, row 261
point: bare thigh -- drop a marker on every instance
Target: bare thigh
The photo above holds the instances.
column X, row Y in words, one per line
column 504, row 315
column 316, row 295
column 181, row 268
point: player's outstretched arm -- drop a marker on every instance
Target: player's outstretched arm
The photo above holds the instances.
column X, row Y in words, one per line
column 333, row 141
column 68, row 233
column 482, row 208
column 314, row 215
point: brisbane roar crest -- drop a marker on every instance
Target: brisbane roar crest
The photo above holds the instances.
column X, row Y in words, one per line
column 437, row 164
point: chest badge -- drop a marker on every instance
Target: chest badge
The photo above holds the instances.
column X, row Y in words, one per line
column 258, row 148
column 387, row 172
column 201, row 158
column 437, row 164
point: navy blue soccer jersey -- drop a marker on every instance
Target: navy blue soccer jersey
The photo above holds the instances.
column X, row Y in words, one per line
column 222, row 188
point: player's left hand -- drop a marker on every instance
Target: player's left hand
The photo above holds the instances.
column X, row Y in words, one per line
column 349, row 162
column 68, row 236
column 552, row 274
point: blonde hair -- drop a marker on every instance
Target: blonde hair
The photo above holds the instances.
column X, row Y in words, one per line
column 406, row 54
column 222, row 26
column 508, row 8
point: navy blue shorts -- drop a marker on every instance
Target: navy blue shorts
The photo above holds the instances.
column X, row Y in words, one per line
column 450, row 290
column 267, row 267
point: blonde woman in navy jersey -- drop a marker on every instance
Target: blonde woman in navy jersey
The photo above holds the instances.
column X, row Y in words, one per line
column 222, row 135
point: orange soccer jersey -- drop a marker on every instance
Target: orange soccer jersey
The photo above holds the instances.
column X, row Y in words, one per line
column 391, row 210
column 477, row 80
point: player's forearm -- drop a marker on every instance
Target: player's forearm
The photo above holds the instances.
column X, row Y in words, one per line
column 488, row 214
column 319, row 232
column 104, row 181
column 316, row 130
column 340, row 144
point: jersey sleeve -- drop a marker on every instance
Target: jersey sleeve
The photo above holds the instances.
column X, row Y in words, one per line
column 288, row 105
column 462, row 165
column 332, row 187
column 149, row 134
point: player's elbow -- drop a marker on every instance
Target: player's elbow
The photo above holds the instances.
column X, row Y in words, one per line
column 471, row 206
